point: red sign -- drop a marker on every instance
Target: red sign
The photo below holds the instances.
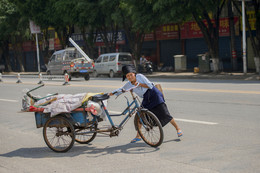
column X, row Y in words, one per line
column 57, row 45
column 192, row 30
column 149, row 37
column 27, row 46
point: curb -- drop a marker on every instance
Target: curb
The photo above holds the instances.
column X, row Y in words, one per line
column 182, row 75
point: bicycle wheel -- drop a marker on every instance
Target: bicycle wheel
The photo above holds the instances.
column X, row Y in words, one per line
column 59, row 134
column 84, row 135
column 149, row 128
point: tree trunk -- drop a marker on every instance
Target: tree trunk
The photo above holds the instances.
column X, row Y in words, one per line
column 46, row 52
column 232, row 36
column 6, row 56
column 19, row 55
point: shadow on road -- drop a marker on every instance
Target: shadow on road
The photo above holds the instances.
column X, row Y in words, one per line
column 91, row 151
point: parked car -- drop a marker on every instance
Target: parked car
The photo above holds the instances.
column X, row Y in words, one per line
column 111, row 63
column 70, row 61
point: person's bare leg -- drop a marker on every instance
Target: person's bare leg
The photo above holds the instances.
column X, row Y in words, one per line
column 137, row 135
column 139, row 126
column 175, row 125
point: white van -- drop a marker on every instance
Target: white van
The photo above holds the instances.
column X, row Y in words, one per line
column 111, row 63
column 70, row 61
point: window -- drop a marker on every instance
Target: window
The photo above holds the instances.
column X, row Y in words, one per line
column 52, row 58
column 105, row 59
column 125, row 58
column 112, row 58
column 70, row 55
column 99, row 59
column 58, row 57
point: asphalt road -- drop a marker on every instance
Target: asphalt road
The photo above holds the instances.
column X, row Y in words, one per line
column 219, row 118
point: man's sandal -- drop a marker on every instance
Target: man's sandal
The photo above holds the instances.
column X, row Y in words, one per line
column 135, row 140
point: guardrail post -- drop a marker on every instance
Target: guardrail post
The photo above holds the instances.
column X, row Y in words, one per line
column 1, row 77
column 66, row 77
column 40, row 77
column 18, row 78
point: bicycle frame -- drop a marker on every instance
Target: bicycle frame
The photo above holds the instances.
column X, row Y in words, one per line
column 127, row 110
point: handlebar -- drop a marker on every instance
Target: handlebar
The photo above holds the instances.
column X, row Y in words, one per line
column 123, row 90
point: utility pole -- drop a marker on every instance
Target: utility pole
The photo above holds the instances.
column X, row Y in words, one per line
column 244, row 37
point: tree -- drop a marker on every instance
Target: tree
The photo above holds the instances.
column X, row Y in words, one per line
column 13, row 29
column 179, row 11
column 137, row 18
column 210, row 28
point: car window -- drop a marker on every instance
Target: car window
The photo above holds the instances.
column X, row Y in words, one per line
column 58, row 57
column 105, row 59
column 70, row 55
column 99, row 59
column 125, row 58
column 112, row 58
column 52, row 58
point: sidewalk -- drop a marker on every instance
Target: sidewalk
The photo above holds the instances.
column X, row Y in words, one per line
column 191, row 75
column 181, row 75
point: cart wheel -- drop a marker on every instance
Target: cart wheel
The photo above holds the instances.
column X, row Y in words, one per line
column 150, row 129
column 85, row 135
column 59, row 134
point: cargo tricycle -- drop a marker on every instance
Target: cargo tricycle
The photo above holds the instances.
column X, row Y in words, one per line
column 83, row 123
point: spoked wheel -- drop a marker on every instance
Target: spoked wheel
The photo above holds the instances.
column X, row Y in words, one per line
column 84, row 135
column 149, row 128
column 59, row 134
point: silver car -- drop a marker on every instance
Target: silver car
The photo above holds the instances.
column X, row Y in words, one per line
column 111, row 63
column 70, row 61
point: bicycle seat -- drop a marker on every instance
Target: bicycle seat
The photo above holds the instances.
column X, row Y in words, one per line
column 97, row 98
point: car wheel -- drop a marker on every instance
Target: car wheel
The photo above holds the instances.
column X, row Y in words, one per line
column 111, row 74
column 86, row 77
column 95, row 74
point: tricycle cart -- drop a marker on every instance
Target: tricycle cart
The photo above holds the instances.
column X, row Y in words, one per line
column 81, row 125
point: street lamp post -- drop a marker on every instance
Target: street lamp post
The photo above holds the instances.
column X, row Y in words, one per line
column 244, row 35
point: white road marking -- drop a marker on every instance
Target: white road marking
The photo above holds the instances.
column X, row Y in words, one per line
column 7, row 100
column 195, row 121
column 178, row 119
column 116, row 112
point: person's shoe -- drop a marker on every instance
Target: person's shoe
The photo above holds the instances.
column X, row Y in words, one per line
column 135, row 140
column 179, row 134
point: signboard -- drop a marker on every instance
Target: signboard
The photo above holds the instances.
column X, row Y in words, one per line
column 149, row 37
column 99, row 41
column 167, row 32
column 51, row 44
column 252, row 20
column 192, row 30
column 120, row 38
column 34, row 28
